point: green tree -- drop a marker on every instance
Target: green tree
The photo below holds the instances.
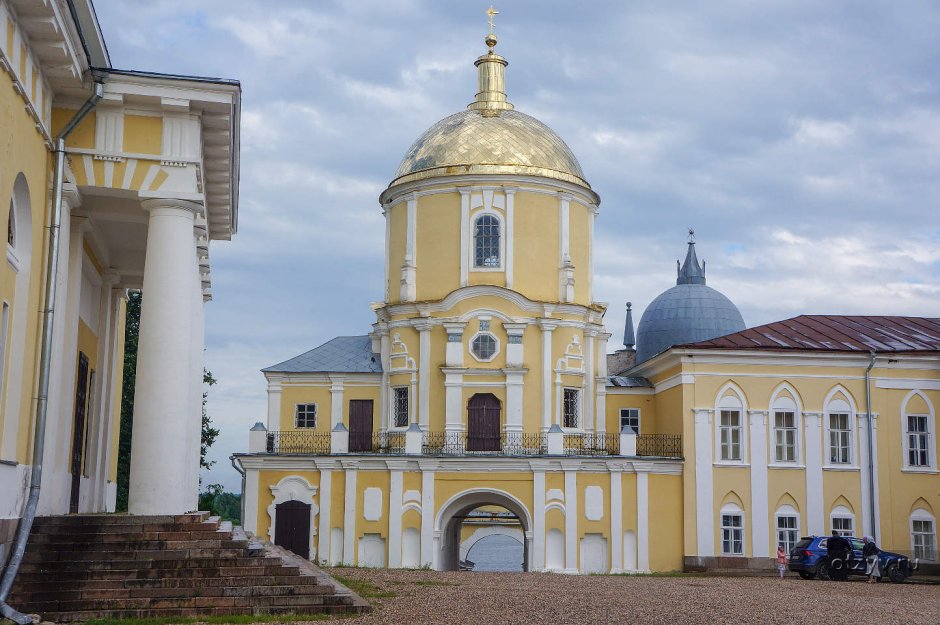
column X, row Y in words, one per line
column 209, row 433
column 219, row 503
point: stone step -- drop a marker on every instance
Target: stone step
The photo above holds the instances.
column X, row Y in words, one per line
column 40, row 540
column 74, row 520
column 297, row 602
column 46, row 548
column 128, row 528
column 120, row 594
column 85, row 615
column 165, row 582
column 97, row 555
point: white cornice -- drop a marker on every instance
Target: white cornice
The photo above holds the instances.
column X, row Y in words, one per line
column 469, row 292
column 517, row 183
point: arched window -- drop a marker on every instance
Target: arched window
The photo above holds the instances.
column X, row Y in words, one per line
column 840, row 431
column 923, row 535
column 11, row 226
column 787, row 526
column 730, row 439
column 486, row 242
column 732, row 530
column 842, row 520
column 785, row 421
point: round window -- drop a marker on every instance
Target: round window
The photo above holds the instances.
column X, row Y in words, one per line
column 484, row 346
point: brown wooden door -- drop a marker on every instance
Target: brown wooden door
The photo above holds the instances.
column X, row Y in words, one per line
column 78, row 430
column 360, row 425
column 292, row 527
column 483, row 423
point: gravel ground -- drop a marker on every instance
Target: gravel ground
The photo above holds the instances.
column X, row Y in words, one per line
column 458, row 598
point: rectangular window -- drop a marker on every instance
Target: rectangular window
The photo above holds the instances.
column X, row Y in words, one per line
column 400, row 406
column 305, row 416
column 785, row 436
column 843, row 525
column 918, row 441
column 840, row 438
column 787, row 533
column 630, row 417
column 731, row 435
column 572, row 407
column 732, row 535
column 922, row 536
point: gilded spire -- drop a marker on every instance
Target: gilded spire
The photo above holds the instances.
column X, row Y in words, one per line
column 491, row 75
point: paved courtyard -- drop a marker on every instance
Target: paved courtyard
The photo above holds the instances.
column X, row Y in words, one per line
column 418, row 597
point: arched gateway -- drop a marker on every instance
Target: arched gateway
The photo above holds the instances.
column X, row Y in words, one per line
column 450, row 518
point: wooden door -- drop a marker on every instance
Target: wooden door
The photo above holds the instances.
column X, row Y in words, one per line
column 360, row 425
column 292, row 527
column 78, row 430
column 483, row 423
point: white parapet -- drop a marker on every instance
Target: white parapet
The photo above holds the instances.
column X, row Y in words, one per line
column 339, row 439
column 555, row 441
column 627, row 441
column 258, row 439
column 413, row 440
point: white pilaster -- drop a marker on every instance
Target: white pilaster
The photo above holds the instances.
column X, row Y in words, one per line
column 409, row 271
column 616, row 518
column 588, row 392
column 349, row 515
column 510, row 235
column 424, row 374
column 815, row 516
column 547, row 327
column 160, row 458
column 704, row 502
column 326, row 499
column 464, row 237
column 538, row 517
column 385, row 411
column 396, row 482
column 571, row 520
column 453, row 400
column 642, row 516
column 274, row 403
column 336, row 400
column 868, row 528
column 250, row 522
column 427, row 514
column 600, row 421
column 760, row 529
column 514, row 390
column 454, row 350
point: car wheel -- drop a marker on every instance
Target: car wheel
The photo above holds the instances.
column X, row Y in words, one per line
column 895, row 574
column 823, row 571
column 807, row 575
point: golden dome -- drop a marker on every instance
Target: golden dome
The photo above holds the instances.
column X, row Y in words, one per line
column 490, row 137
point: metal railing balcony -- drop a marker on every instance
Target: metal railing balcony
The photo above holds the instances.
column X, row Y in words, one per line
column 456, row 444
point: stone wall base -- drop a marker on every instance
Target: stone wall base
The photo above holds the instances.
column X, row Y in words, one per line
column 701, row 564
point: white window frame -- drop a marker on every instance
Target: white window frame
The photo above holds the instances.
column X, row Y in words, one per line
column 840, row 406
column 638, row 419
column 731, row 401
column 731, row 510
column 923, row 516
column 490, row 334
column 786, row 511
column 394, row 406
column 472, row 252
column 780, row 402
column 843, row 514
column 931, row 467
column 316, row 416
column 579, row 406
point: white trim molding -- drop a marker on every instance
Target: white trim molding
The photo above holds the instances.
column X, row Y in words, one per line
column 294, row 488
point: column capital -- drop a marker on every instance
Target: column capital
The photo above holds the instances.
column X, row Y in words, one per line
column 71, row 196
column 702, row 415
column 548, row 325
column 153, row 204
column 422, row 325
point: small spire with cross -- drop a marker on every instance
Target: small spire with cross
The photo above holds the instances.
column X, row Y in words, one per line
column 691, row 234
column 491, row 13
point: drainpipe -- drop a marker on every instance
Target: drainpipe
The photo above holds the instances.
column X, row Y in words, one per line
column 48, row 313
column 871, row 446
column 236, row 465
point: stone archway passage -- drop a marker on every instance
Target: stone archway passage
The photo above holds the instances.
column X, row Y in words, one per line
column 292, row 527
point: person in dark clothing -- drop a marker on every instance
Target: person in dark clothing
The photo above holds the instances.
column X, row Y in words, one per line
column 872, row 563
column 839, row 549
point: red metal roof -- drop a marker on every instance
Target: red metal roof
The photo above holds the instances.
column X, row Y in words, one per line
column 836, row 333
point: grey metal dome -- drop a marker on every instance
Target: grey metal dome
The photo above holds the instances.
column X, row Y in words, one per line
column 687, row 313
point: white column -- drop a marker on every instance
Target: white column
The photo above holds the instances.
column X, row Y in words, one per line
column 815, row 517
column 424, row 374
column 510, row 235
column 250, row 522
column 642, row 516
column 571, row 519
column 514, row 390
column 464, row 237
column 538, row 516
column 109, row 305
column 760, row 528
column 588, row 393
column 336, row 400
column 326, row 499
column 274, row 402
column 616, row 517
column 112, row 401
column 384, row 392
column 160, row 458
column 396, row 483
column 704, row 502
column 600, row 408
column 349, row 514
column 427, row 514
column 197, row 347
column 409, row 271
column 547, row 327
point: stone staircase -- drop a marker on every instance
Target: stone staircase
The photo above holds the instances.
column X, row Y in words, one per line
column 121, row 566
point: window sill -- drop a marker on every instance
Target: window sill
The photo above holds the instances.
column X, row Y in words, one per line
column 785, row 465
column 731, row 463
column 924, row 471
column 9, row 463
column 840, row 467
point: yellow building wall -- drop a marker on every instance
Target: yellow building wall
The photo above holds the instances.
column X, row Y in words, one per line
column 143, row 134
column 397, row 237
column 580, row 221
column 306, row 393
column 536, row 246
column 438, row 257
column 666, row 516
column 87, row 344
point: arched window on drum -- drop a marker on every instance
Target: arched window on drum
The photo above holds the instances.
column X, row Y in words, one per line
column 486, row 242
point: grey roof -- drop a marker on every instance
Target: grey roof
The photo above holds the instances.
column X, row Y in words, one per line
column 633, row 381
column 687, row 313
column 344, row 354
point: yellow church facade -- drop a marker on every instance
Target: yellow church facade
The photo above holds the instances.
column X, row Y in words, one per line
column 109, row 180
column 486, row 383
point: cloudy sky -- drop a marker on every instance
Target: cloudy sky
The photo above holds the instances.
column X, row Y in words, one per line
column 800, row 138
